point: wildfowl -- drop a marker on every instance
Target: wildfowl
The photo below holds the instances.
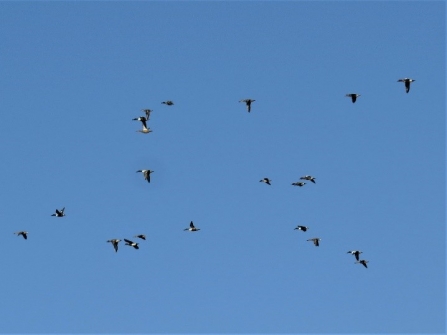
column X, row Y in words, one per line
column 114, row 243
column 146, row 174
column 310, row 178
column 356, row 253
column 353, row 96
column 315, row 240
column 265, row 180
column 248, row 103
column 145, row 130
column 23, row 233
column 59, row 213
column 143, row 120
column 191, row 227
column 299, row 183
column 407, row 82
column 132, row 244
column 148, row 113
column 168, row 102
column 302, row 228
column 143, row 237
column 363, row 262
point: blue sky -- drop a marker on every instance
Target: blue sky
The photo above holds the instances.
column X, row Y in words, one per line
column 74, row 74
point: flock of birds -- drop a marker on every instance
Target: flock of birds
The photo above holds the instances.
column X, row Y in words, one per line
column 147, row 176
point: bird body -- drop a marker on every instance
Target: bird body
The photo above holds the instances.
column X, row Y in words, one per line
column 248, row 103
column 356, row 253
column 114, row 243
column 299, row 183
column 307, row 177
column 168, row 102
column 143, row 237
column 191, row 227
column 302, row 228
column 265, row 180
column 146, row 174
column 59, row 213
column 132, row 244
column 353, row 96
column 147, row 112
column 407, row 82
column 23, row 233
column 316, row 241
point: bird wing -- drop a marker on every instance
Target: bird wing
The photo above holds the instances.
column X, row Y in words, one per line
column 128, row 241
column 191, row 224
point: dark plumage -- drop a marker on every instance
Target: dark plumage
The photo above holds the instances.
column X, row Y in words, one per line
column 356, row 253
column 23, row 233
column 302, row 228
column 143, row 237
column 191, row 227
column 363, row 262
column 132, row 244
column 114, row 243
column 316, row 241
column 248, row 103
column 353, row 96
column 59, row 213
column 265, row 180
column 407, row 82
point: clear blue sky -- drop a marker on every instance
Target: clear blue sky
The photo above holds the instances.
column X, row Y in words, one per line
column 74, row 74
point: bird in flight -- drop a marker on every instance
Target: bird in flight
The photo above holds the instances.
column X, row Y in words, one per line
column 315, row 240
column 302, row 228
column 143, row 237
column 310, row 178
column 299, row 183
column 114, row 243
column 407, row 82
column 147, row 112
column 191, row 227
column 23, row 233
column 353, row 96
column 132, row 244
column 356, row 253
column 248, row 103
column 146, row 174
column 59, row 213
column 168, row 102
column 265, row 180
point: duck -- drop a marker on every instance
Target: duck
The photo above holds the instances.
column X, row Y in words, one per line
column 143, row 120
column 302, row 228
column 147, row 112
column 353, row 96
column 59, row 213
column 356, row 253
column 248, row 103
column 168, row 102
column 265, row 180
column 310, row 178
column 143, row 237
column 146, row 174
column 191, row 227
column 114, row 243
column 363, row 262
column 299, row 183
column 132, row 244
column 23, row 233
column 407, row 82
column 315, row 240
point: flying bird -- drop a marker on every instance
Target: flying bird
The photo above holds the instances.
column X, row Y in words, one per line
column 143, row 237
column 299, row 183
column 356, row 253
column 363, row 262
column 59, row 213
column 143, row 120
column 315, row 240
column 146, row 174
column 168, row 102
column 191, row 227
column 266, row 180
column 310, row 178
column 407, row 82
column 302, row 228
column 145, row 130
column 148, row 113
column 132, row 244
column 23, row 233
column 114, row 243
column 353, row 96
column 248, row 103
